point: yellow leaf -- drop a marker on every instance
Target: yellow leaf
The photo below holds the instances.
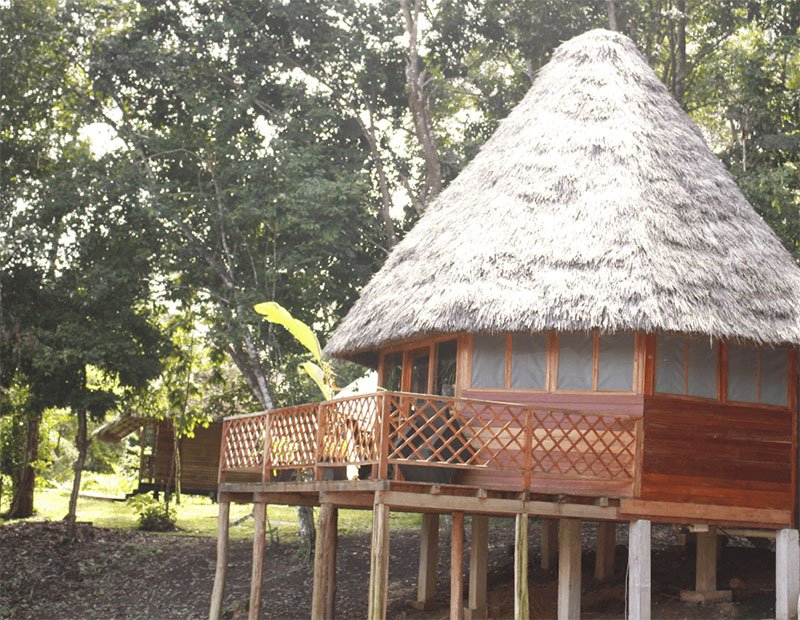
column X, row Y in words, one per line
column 318, row 375
column 275, row 313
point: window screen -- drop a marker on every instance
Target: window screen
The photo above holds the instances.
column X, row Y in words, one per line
column 671, row 364
column 528, row 361
column 392, row 371
column 774, row 376
column 615, row 362
column 702, row 368
column 489, row 362
column 420, row 363
column 742, row 373
column 446, row 368
column 575, row 361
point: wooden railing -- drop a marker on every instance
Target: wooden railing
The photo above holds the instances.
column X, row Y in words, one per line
column 400, row 435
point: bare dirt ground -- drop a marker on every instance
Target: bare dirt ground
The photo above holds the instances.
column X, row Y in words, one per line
column 125, row 574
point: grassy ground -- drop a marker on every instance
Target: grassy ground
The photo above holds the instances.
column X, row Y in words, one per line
column 197, row 516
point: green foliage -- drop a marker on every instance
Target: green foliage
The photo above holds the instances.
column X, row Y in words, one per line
column 154, row 516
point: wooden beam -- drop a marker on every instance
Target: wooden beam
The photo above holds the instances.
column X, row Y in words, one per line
column 706, row 565
column 456, row 568
column 428, row 559
column 787, row 574
column 223, row 522
column 259, row 540
column 606, row 545
column 569, row 569
column 521, row 601
column 379, row 562
column 332, row 542
column 679, row 512
column 639, row 570
column 478, row 567
column 549, row 542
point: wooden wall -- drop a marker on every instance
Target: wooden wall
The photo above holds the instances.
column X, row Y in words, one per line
column 199, row 457
column 708, row 452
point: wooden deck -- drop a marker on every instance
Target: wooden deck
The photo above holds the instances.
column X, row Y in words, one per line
column 395, row 436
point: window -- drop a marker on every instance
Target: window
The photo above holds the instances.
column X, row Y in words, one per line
column 445, row 381
column 528, row 362
column 575, row 361
column 489, row 362
column 615, row 362
column 758, row 375
column 686, row 365
column 393, row 371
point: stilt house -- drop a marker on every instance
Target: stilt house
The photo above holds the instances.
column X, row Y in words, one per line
column 590, row 323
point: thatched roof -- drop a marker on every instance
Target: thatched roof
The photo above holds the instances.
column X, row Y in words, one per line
column 595, row 204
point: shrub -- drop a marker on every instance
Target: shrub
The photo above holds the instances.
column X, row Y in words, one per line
column 154, row 516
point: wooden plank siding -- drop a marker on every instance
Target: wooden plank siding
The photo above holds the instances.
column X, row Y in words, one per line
column 199, row 457
column 708, row 452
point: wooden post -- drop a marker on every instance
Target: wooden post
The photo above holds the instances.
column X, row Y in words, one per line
column 478, row 567
column 428, row 557
column 259, row 539
column 223, row 521
column 606, row 544
column 639, row 570
column 379, row 561
column 569, row 569
column 705, row 576
column 549, row 538
column 787, row 574
column 521, row 604
column 324, row 587
column 333, row 545
column 456, row 568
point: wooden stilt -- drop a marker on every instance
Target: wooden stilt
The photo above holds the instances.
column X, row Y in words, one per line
column 606, row 543
column 521, row 602
column 259, row 534
column 569, row 569
column 787, row 574
column 333, row 544
column 324, row 586
column 428, row 557
column 705, row 576
column 478, row 567
column 223, row 521
column 379, row 562
column 549, row 538
column 456, row 568
column 639, row 570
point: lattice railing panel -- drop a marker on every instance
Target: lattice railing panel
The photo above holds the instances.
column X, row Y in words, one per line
column 577, row 444
column 456, row 432
column 243, row 443
column 351, row 430
column 292, row 437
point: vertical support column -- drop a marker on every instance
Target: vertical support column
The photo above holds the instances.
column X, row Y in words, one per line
column 456, row 568
column 428, row 558
column 223, row 521
column 324, row 588
column 787, row 574
column 259, row 536
column 606, row 544
column 379, row 561
column 521, row 604
column 549, row 538
column 569, row 569
column 639, row 570
column 705, row 575
column 478, row 567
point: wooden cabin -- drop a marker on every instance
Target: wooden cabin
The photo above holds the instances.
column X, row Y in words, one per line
column 590, row 323
column 199, row 455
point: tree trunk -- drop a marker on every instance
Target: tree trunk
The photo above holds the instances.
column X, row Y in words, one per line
column 613, row 24
column 82, row 443
column 418, row 103
column 22, row 505
column 308, row 532
column 680, row 68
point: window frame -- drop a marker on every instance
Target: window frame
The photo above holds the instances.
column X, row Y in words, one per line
column 635, row 378
column 790, row 373
column 721, row 385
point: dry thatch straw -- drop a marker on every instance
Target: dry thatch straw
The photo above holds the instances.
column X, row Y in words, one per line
column 595, row 204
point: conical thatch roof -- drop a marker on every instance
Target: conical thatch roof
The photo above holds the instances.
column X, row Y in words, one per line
column 596, row 204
